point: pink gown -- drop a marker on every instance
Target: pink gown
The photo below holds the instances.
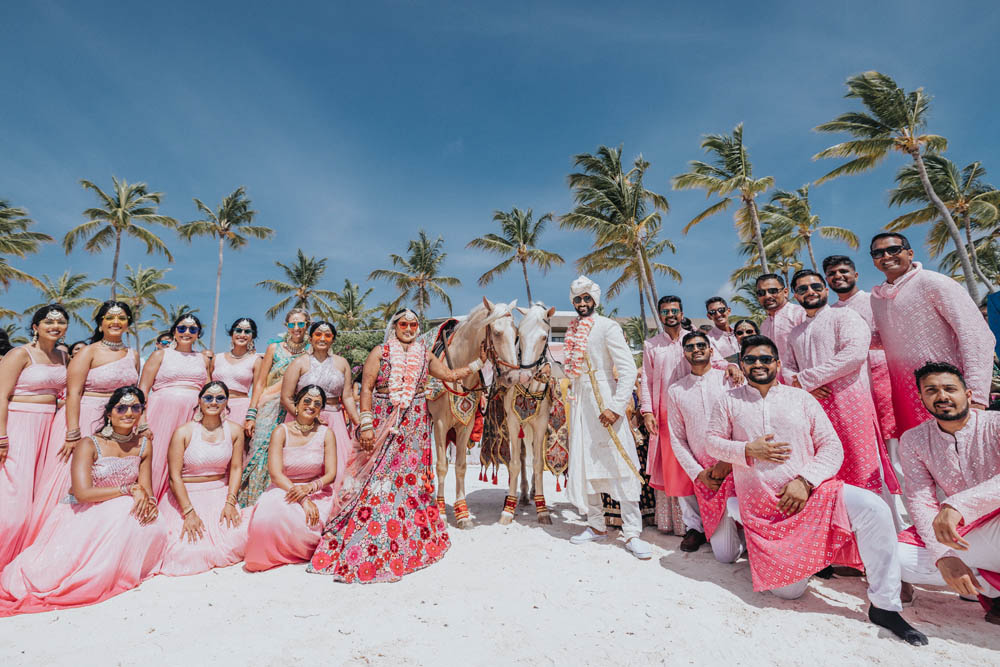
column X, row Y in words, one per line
column 52, row 474
column 778, row 326
column 330, row 380
column 926, row 316
column 85, row 552
column 278, row 533
column 830, row 350
column 221, row 545
column 171, row 402
column 238, row 376
column 28, row 426
column 663, row 363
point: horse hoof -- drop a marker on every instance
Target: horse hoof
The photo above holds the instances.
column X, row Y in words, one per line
column 545, row 519
column 506, row 519
column 465, row 524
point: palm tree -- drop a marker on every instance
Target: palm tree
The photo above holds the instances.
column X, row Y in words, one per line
column 729, row 176
column 783, row 253
column 230, row 223
column 965, row 194
column 70, row 290
column 165, row 319
column 15, row 239
column 518, row 242
column 14, row 335
column 349, row 311
column 895, row 121
column 793, row 209
column 746, row 296
column 141, row 289
column 418, row 277
column 119, row 214
column 302, row 277
column 616, row 207
column 636, row 331
column 988, row 254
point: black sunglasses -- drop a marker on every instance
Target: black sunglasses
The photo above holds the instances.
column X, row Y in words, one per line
column 248, row 332
column 893, row 250
column 183, row 328
column 691, row 347
column 769, row 290
column 766, row 359
column 815, row 287
column 584, row 298
column 717, row 311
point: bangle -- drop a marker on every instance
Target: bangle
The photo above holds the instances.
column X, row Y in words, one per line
column 73, row 435
column 4, row 438
column 188, row 510
column 125, row 490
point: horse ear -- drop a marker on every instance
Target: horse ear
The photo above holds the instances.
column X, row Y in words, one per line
column 550, row 312
column 523, row 311
column 489, row 306
column 512, row 305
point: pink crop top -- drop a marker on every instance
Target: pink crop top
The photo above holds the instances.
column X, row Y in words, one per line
column 41, row 380
column 237, row 375
column 202, row 458
column 181, row 369
column 106, row 378
column 108, row 471
column 305, row 462
column 324, row 375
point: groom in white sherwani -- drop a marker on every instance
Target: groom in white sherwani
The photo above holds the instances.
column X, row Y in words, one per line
column 602, row 456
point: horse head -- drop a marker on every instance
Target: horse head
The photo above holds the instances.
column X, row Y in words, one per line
column 533, row 341
column 501, row 335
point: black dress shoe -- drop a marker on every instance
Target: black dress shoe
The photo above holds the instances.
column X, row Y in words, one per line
column 693, row 539
column 894, row 623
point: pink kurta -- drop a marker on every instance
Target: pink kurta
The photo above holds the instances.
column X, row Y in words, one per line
column 778, row 325
column 724, row 343
column 926, row 316
column 830, row 350
column 663, row 363
column 690, row 402
column 784, row 549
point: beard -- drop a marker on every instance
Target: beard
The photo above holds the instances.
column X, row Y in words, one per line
column 952, row 416
column 844, row 290
column 819, row 303
column 767, row 379
column 584, row 310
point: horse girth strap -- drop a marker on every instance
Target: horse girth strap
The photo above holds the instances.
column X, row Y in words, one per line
column 610, row 427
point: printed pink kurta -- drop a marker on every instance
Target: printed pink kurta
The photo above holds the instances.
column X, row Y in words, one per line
column 830, row 350
column 779, row 325
column 724, row 343
column 784, row 549
column 663, row 363
column 690, row 401
column 926, row 316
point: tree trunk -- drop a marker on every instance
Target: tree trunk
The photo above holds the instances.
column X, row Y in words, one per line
column 642, row 315
column 973, row 256
column 114, row 265
column 812, row 257
column 757, row 233
column 524, row 270
column 963, row 255
column 644, row 279
column 218, row 287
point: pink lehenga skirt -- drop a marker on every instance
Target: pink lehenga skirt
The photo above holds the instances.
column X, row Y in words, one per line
column 28, row 426
column 278, row 533
column 238, row 410
column 85, row 553
column 221, row 545
column 166, row 410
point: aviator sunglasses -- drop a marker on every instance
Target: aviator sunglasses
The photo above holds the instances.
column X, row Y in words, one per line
column 134, row 408
column 815, row 287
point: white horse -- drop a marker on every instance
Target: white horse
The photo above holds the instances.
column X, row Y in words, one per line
column 456, row 406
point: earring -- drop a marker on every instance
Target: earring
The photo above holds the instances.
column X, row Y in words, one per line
column 296, row 412
column 34, row 335
column 199, row 415
column 251, row 347
column 107, row 430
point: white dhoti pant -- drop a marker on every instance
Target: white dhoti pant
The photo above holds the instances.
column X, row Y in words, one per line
column 984, row 552
column 631, row 516
column 690, row 514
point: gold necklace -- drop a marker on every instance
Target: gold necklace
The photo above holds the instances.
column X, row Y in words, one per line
column 303, row 430
column 295, row 349
column 242, row 356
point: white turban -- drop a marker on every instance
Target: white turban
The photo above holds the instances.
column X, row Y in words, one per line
column 584, row 285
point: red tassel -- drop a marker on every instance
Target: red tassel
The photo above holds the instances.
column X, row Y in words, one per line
column 494, row 479
column 520, row 432
column 558, row 488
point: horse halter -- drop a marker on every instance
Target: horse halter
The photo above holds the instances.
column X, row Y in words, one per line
column 491, row 350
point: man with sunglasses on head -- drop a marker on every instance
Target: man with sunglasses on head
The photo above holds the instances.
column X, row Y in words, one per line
column 798, row 519
column 782, row 314
column 922, row 315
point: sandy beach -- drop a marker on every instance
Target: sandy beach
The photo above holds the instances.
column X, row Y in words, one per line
column 518, row 594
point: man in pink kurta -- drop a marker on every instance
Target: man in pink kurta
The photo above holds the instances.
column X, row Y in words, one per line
column 921, row 316
column 782, row 314
column 954, row 456
column 828, row 358
column 797, row 518
column 721, row 335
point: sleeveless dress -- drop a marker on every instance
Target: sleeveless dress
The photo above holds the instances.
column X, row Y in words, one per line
column 221, row 545
column 388, row 524
column 278, row 532
column 328, row 377
column 171, row 402
column 269, row 414
column 85, row 552
column 52, row 475
column 238, row 376
column 28, row 427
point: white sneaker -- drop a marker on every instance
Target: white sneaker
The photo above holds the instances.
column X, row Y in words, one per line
column 589, row 535
column 639, row 548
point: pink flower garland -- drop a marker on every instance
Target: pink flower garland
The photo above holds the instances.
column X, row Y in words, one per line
column 406, row 366
column 576, row 345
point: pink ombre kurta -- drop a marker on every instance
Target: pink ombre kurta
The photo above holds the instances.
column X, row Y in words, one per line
column 784, row 549
column 778, row 325
column 663, row 363
column 171, row 402
column 690, row 402
column 278, row 532
column 221, row 545
column 830, row 350
column 52, row 474
column 723, row 342
column 85, row 552
column 238, row 376
column 926, row 316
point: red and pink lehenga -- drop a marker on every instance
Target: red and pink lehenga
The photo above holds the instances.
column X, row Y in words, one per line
column 388, row 523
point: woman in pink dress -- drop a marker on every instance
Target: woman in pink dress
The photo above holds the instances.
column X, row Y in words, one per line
column 32, row 377
column 302, row 460
column 93, row 374
column 172, row 379
column 238, row 368
column 102, row 539
column 331, row 373
column 205, row 528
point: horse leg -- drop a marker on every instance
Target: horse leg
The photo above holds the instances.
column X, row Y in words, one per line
column 462, row 435
column 541, row 429
column 441, row 447
column 513, row 470
column 524, row 497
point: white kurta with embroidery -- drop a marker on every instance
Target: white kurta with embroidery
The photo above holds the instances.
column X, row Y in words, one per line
column 595, row 464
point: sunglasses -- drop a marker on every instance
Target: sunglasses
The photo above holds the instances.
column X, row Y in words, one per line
column 670, row 311
column 310, row 402
column 893, row 250
column 135, row 408
column 184, row 328
column 163, row 343
column 769, row 290
column 248, row 332
column 296, row 325
column 815, row 287
column 717, row 311
column 765, row 359
column 413, row 326
column 744, row 332
column 584, row 298
column 691, row 347
column 116, row 318
column 218, row 398
column 322, row 335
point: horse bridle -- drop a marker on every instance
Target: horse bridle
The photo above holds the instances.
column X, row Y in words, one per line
column 491, row 355
column 491, row 351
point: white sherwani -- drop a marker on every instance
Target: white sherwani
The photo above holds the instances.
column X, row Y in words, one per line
column 595, row 464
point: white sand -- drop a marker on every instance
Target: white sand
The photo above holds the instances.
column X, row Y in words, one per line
column 503, row 594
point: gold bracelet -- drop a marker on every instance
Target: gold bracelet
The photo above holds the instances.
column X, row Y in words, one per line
column 187, row 511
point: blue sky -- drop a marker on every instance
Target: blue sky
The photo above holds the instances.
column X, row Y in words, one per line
column 353, row 125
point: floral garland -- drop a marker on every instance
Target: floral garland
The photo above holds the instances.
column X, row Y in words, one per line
column 576, row 345
column 406, row 366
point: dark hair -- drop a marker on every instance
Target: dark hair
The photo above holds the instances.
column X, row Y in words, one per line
column 770, row 276
column 164, row 334
column 208, row 385
column 5, row 345
column 890, row 235
column 102, row 311
column 686, row 323
column 306, row 389
column 181, row 318
column 712, row 300
column 934, row 367
column 320, row 323
column 253, row 325
column 745, row 320
column 756, row 341
column 114, row 400
column 695, row 334
column 74, row 344
column 40, row 314
column 670, row 298
column 837, row 260
column 804, row 273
